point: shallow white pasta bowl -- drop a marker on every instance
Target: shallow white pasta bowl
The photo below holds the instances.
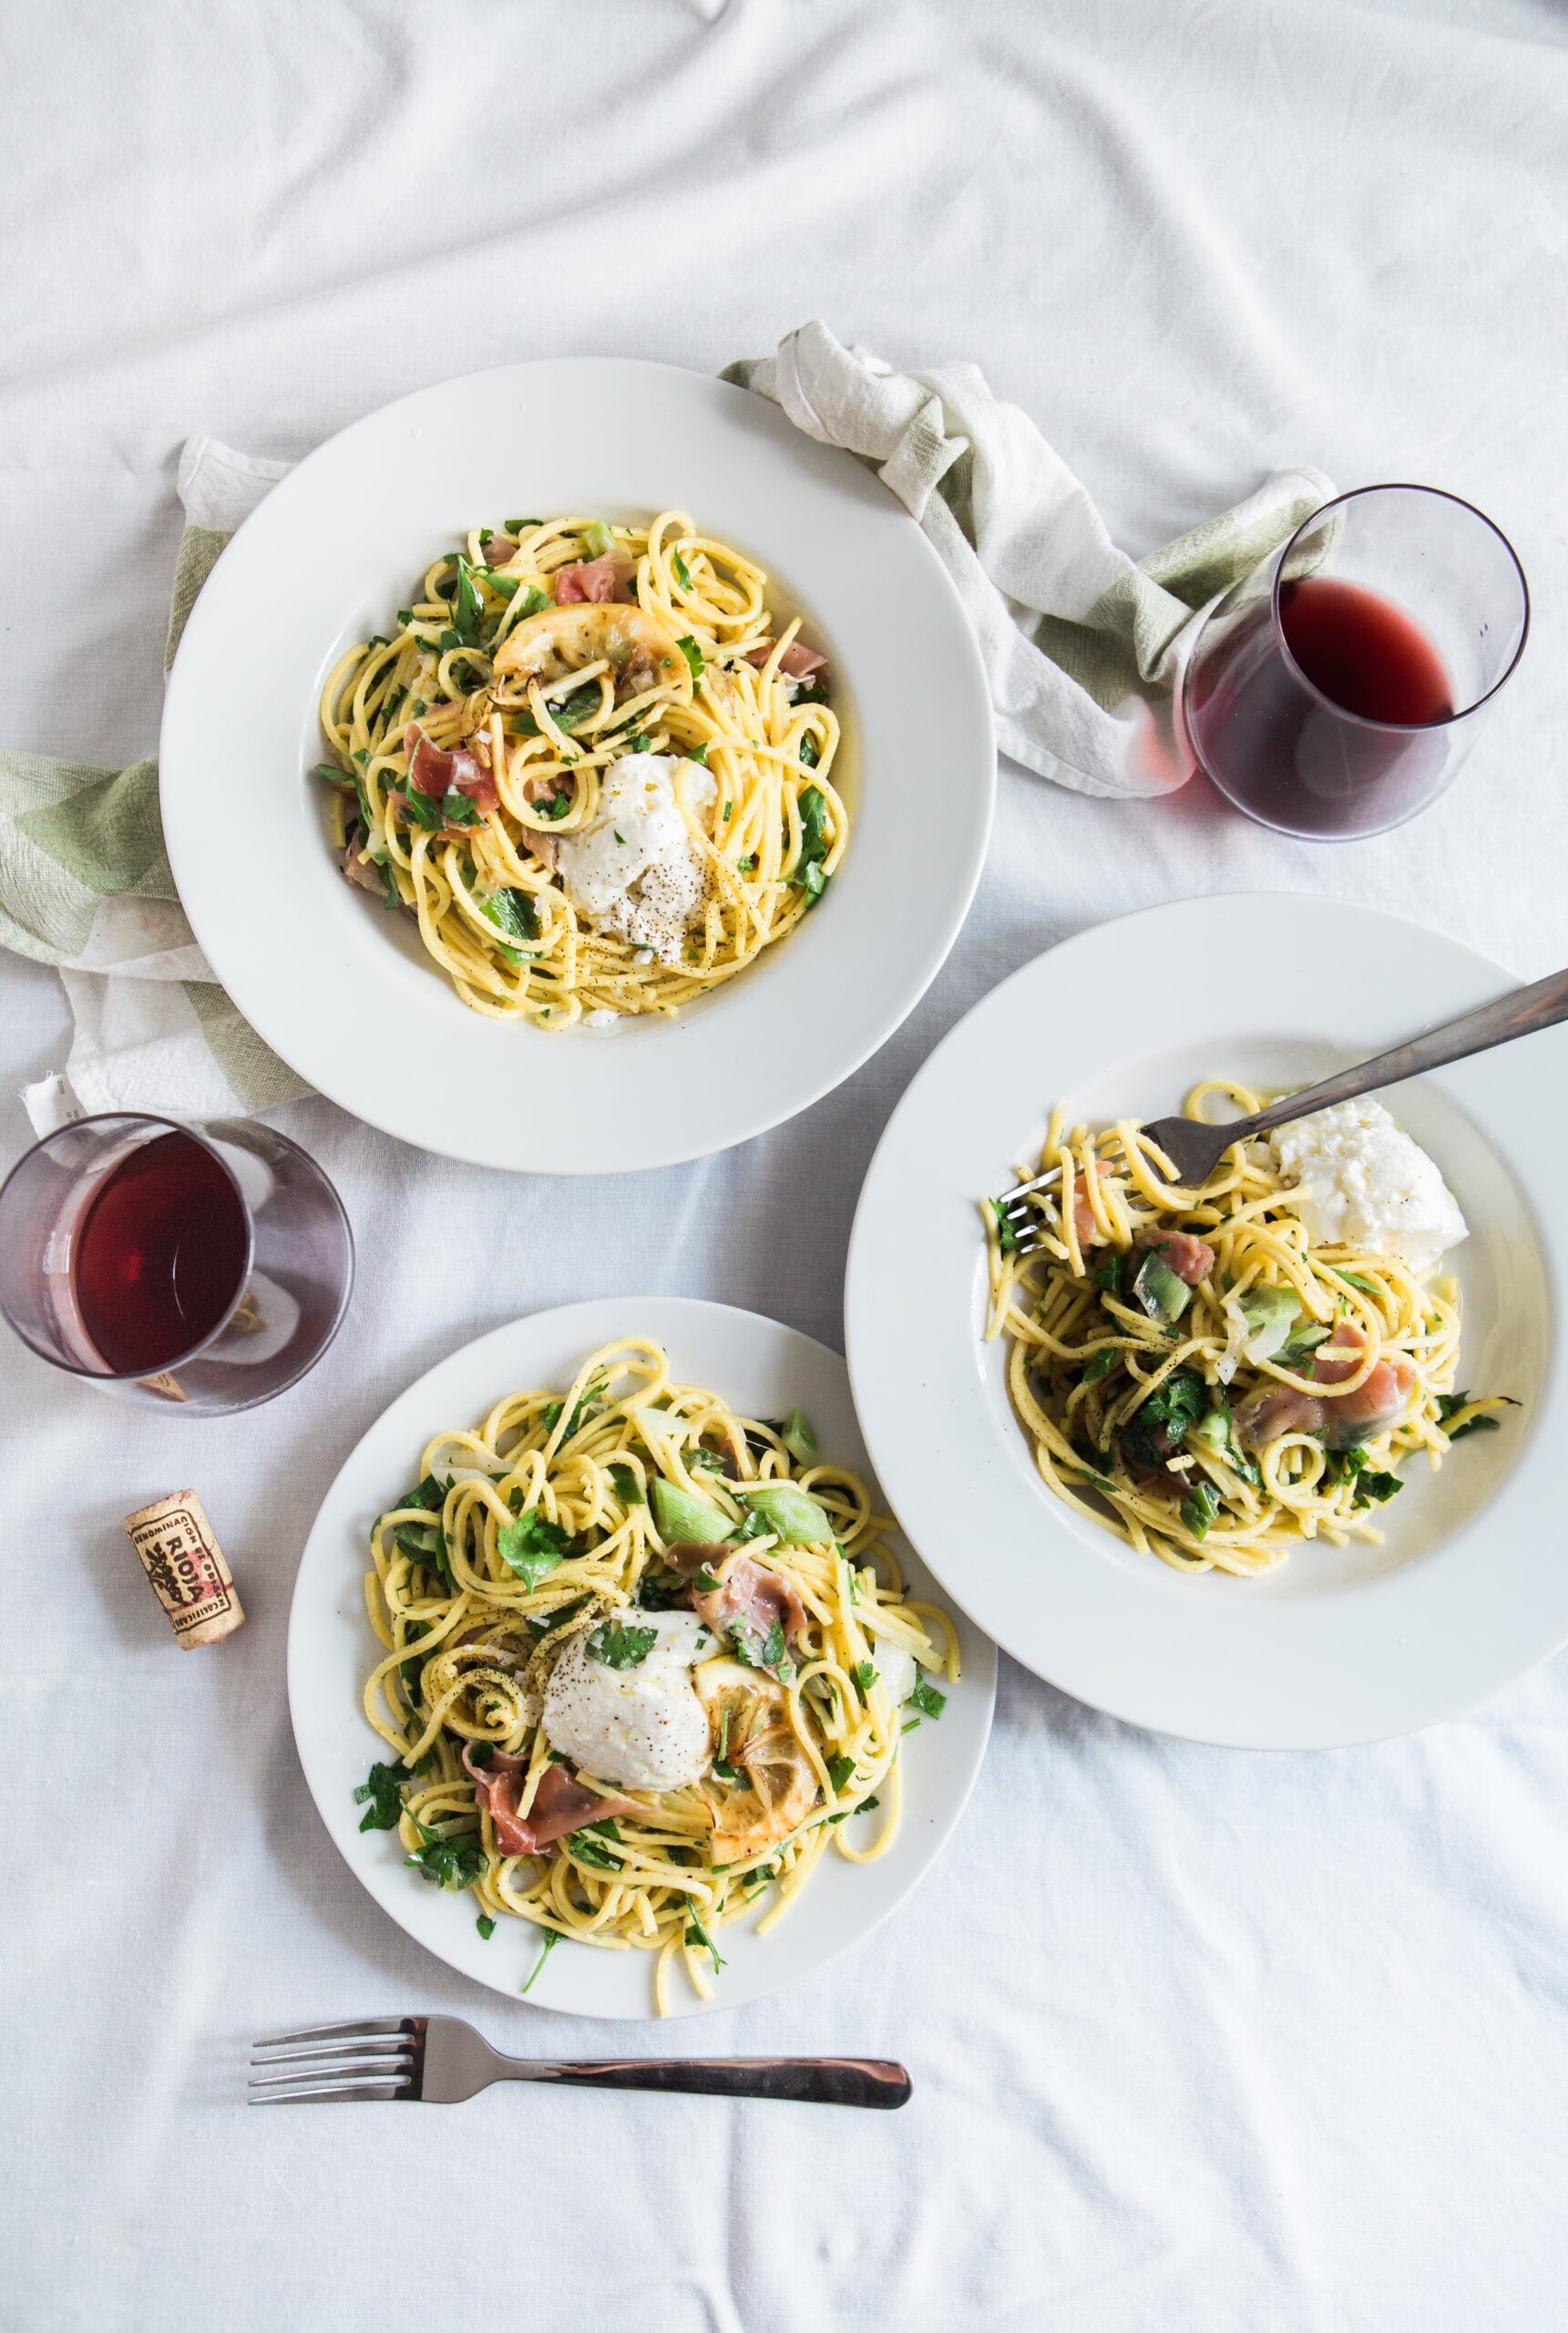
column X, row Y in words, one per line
column 345, row 991
column 1338, row 1645
column 761, row 1369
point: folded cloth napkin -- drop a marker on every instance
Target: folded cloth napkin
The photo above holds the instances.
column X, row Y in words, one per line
column 1083, row 647
column 85, row 885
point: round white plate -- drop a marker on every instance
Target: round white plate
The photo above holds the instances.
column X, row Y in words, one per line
column 1337, row 1645
column 764, row 1370
column 344, row 990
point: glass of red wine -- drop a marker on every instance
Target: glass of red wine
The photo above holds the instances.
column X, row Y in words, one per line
column 1335, row 692
column 208, row 1265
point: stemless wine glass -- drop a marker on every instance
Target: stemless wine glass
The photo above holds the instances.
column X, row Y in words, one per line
column 262, row 1248
column 1336, row 690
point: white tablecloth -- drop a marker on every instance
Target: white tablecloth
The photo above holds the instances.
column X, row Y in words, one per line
column 1200, row 2040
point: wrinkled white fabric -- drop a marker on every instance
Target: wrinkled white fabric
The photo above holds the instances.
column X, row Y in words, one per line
column 1027, row 541
column 1203, row 2042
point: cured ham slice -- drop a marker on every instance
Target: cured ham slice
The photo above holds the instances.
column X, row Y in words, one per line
column 561, row 1802
column 434, row 772
column 748, row 1597
column 1191, row 1259
column 798, row 662
column 598, row 580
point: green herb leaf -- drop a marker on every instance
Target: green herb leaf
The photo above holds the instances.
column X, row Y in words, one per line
column 627, row 1487
column 864, row 1675
column 683, row 573
column 448, row 1860
column 1372, row 1488
column 621, row 1647
column 468, row 608
column 693, row 656
column 385, row 1792
column 587, row 1850
column 696, row 1934
column 1199, row 1509
column 1102, row 1364
column 1007, row 1236
column 532, row 1545
column 549, row 1937
column 515, row 527
column 1355, row 1280
column 926, row 1699
column 839, row 1770
column 575, row 708
column 486, row 1926
column 511, row 911
column 810, row 751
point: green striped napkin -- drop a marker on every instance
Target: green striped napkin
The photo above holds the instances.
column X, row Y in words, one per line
column 85, row 885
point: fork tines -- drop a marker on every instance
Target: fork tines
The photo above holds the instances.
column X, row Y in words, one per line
column 1013, row 1209
column 379, row 2057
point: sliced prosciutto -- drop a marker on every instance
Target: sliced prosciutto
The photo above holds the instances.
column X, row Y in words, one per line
column 1340, row 1419
column 561, row 1803
column 1191, row 1259
column 748, row 1598
column 1378, row 1402
column 798, row 662
column 1083, row 1217
column 434, row 772
column 598, row 580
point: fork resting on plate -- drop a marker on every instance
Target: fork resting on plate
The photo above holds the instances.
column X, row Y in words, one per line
column 441, row 2060
column 1194, row 1147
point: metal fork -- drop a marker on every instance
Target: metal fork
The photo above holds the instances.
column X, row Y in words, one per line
column 442, row 2061
column 1195, row 1149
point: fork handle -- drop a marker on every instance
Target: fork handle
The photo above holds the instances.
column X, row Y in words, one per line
column 1519, row 1013
column 820, row 2081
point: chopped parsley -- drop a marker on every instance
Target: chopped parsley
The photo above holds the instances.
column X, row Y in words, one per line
column 810, row 751
column 864, row 1675
column 693, row 656
column 532, row 1545
column 748, row 866
column 926, row 1699
column 1102, row 1364
column 383, row 1793
column 454, row 1861
column 813, row 846
column 626, row 1486
column 1007, row 1236
column 697, row 1938
column 621, row 1647
column 515, row 527
column 1450, row 1404
column 839, row 1770
column 683, row 573
column 468, row 608
column 486, row 1926
column 551, row 1938
column 587, row 1850
column 1199, row 1509
column 574, row 707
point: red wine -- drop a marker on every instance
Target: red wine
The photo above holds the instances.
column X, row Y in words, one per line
column 1363, row 653
column 159, row 1255
column 1290, row 756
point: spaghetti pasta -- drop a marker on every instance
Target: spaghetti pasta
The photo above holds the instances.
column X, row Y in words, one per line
column 531, row 663
column 547, row 1536
column 1197, row 1376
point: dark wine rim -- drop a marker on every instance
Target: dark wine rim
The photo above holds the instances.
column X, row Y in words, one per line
column 194, row 1353
column 1362, row 720
column 181, row 1361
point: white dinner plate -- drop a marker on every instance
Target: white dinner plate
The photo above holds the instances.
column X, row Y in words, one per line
column 1470, row 1588
column 345, row 991
column 762, row 1370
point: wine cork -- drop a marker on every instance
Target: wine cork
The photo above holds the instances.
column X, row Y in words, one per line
column 180, row 1556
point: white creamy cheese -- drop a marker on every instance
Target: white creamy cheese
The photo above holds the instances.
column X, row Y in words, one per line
column 643, row 1727
column 1361, row 1182
column 633, row 868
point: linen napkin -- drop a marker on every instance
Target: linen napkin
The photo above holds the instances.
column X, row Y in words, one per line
column 1083, row 647
column 85, row 885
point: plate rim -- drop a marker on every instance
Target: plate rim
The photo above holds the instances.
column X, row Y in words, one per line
column 871, row 1402
column 756, row 1111
column 664, row 1318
